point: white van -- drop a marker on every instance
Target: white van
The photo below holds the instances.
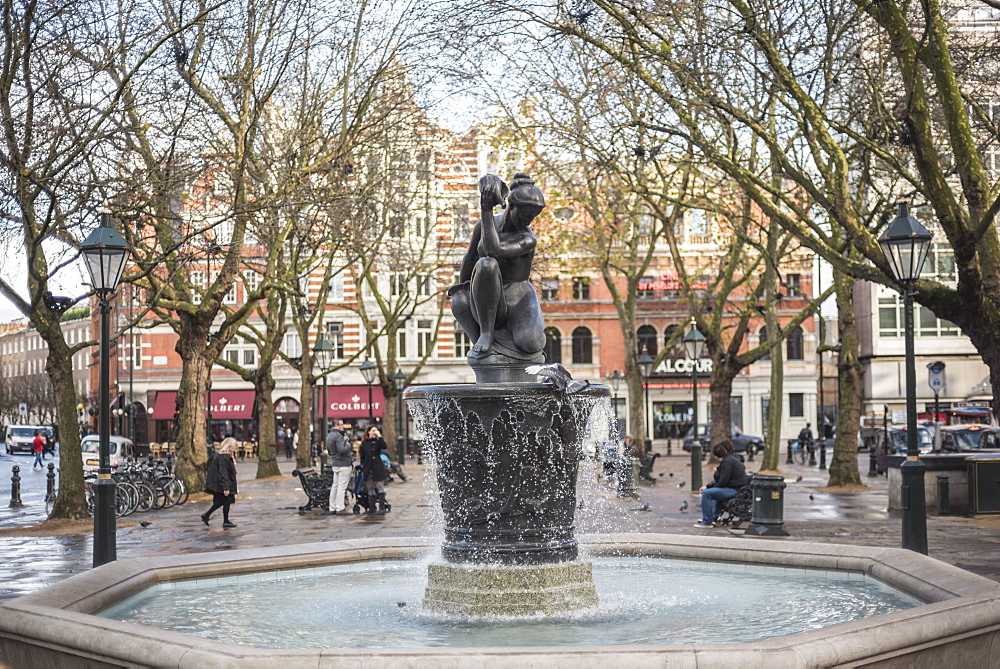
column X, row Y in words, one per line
column 21, row 438
column 120, row 450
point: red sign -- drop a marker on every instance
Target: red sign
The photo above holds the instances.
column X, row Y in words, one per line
column 352, row 401
column 223, row 404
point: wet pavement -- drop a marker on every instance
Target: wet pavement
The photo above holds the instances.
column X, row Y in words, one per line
column 266, row 514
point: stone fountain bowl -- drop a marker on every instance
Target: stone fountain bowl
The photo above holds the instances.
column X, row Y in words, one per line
column 960, row 622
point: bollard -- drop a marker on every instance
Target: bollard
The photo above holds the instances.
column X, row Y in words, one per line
column 695, row 467
column 788, row 460
column 647, row 446
column 750, row 451
column 811, row 446
column 669, row 447
column 768, row 506
column 822, row 454
column 50, row 483
column 944, row 502
column 15, row 489
column 872, row 466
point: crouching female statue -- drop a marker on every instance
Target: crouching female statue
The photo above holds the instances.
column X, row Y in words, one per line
column 494, row 301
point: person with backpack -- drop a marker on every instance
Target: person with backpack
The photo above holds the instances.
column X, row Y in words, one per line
column 806, row 439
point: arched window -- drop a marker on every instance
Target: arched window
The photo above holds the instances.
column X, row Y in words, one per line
column 583, row 346
column 793, row 346
column 646, row 340
column 553, row 345
column 762, row 338
column 668, row 334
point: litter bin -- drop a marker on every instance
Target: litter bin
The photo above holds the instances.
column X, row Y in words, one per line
column 628, row 476
column 984, row 484
column 768, row 506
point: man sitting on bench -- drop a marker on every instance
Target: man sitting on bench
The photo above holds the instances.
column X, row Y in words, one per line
column 730, row 476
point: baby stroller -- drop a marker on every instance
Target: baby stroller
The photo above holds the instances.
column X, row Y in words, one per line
column 358, row 489
column 391, row 467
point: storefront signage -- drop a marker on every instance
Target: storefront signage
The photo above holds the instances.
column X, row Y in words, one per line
column 678, row 366
column 670, row 281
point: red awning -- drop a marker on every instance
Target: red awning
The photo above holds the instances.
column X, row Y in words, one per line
column 351, row 401
column 224, row 404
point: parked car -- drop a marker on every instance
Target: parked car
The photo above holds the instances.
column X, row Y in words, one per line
column 120, row 449
column 897, row 439
column 741, row 442
column 21, row 438
column 969, row 438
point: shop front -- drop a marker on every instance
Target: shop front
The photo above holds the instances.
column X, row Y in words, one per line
column 230, row 413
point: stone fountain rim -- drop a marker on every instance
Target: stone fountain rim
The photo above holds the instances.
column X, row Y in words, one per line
column 58, row 619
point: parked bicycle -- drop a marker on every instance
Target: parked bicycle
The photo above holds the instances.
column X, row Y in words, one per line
column 140, row 486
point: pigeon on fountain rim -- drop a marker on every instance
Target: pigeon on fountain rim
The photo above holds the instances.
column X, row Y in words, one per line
column 559, row 376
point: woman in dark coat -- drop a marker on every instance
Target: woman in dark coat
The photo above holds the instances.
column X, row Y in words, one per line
column 221, row 481
column 373, row 469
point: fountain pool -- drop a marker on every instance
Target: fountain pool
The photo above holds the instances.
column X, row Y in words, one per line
column 642, row 601
column 60, row 625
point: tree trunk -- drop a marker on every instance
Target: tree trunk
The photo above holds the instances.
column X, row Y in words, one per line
column 773, row 447
column 267, row 462
column 192, row 393
column 303, row 452
column 71, row 502
column 720, row 391
column 844, row 463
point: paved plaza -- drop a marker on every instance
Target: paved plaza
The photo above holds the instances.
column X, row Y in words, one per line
column 267, row 514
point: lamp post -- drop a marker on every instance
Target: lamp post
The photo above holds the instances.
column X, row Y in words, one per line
column 368, row 370
column 323, row 353
column 105, row 254
column 645, row 363
column 694, row 345
column 905, row 243
column 615, row 381
column 399, row 380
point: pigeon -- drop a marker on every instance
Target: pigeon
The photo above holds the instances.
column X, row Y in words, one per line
column 559, row 376
column 644, row 507
column 401, row 604
column 811, row 498
column 798, row 478
column 681, row 484
column 671, row 474
column 684, row 506
column 145, row 523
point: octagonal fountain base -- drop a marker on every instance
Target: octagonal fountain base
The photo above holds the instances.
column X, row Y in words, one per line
column 58, row 626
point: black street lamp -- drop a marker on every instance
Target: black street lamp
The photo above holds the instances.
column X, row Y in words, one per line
column 368, row 370
column 645, row 363
column 105, row 254
column 323, row 353
column 399, row 380
column 905, row 244
column 694, row 345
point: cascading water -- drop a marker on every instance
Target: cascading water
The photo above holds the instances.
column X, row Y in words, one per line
column 505, row 459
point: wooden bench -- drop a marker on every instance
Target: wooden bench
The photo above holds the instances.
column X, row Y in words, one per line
column 316, row 486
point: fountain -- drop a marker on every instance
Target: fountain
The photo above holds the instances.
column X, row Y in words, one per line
column 506, row 451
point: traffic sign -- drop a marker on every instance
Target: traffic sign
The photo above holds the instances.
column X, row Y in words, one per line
column 935, row 376
column 22, row 410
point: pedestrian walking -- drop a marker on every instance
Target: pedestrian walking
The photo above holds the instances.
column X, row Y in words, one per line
column 221, row 482
column 342, row 462
column 38, row 446
column 373, row 469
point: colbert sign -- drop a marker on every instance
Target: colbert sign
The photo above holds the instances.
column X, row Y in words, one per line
column 683, row 367
column 352, row 401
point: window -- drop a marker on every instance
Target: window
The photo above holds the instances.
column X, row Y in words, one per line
column 794, row 349
column 136, row 350
column 250, row 281
column 553, row 345
column 581, row 288
column 249, row 357
column 583, row 345
column 292, row 344
column 550, row 288
column 397, row 223
column 401, row 341
column 198, row 279
column 424, row 286
column 462, row 342
column 337, row 288
column 890, row 320
column 796, row 405
column 793, row 285
column 646, row 340
column 697, row 225
column 424, row 165
column 425, row 338
column 397, row 284
column 460, row 221
column 335, row 335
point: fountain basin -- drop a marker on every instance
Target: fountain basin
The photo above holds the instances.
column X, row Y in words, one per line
column 56, row 626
